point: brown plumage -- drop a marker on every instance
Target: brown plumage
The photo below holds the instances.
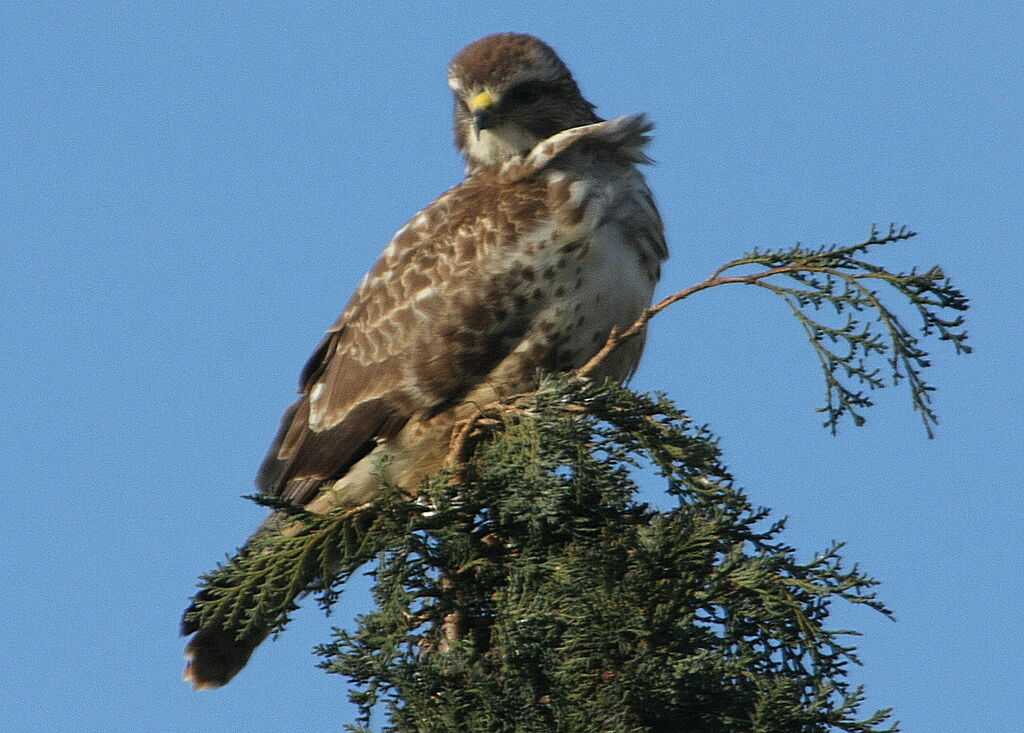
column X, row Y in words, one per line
column 551, row 241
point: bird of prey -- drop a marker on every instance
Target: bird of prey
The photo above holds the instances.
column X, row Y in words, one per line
column 550, row 242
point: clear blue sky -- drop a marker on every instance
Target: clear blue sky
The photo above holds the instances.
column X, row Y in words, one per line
column 190, row 191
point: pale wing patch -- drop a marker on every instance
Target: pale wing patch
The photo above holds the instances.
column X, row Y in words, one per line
column 625, row 134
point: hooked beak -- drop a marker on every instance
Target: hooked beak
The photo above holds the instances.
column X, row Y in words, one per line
column 482, row 108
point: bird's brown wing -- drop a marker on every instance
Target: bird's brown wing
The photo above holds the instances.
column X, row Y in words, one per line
column 430, row 320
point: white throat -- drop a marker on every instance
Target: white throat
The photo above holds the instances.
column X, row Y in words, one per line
column 498, row 144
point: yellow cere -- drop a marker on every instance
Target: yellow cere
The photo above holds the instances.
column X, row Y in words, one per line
column 481, row 101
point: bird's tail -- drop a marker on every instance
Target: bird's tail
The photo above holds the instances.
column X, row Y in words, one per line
column 220, row 648
column 215, row 654
column 242, row 602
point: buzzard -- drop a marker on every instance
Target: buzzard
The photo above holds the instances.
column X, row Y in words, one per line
column 550, row 242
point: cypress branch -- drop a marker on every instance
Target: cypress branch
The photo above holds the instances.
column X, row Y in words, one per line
column 527, row 589
column 582, row 608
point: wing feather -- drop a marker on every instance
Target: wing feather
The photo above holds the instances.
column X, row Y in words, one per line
column 429, row 321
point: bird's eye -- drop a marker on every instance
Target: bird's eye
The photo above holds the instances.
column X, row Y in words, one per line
column 527, row 93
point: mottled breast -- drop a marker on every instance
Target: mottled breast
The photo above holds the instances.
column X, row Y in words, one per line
column 589, row 263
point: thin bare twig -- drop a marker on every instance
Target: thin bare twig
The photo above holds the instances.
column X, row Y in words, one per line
column 617, row 338
column 837, row 276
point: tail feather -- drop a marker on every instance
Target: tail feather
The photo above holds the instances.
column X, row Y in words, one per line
column 215, row 656
column 242, row 602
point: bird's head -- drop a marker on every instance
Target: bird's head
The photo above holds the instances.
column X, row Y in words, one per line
column 511, row 91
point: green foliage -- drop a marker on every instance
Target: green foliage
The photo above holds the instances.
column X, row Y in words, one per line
column 838, row 277
column 254, row 592
column 529, row 590
column 537, row 594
